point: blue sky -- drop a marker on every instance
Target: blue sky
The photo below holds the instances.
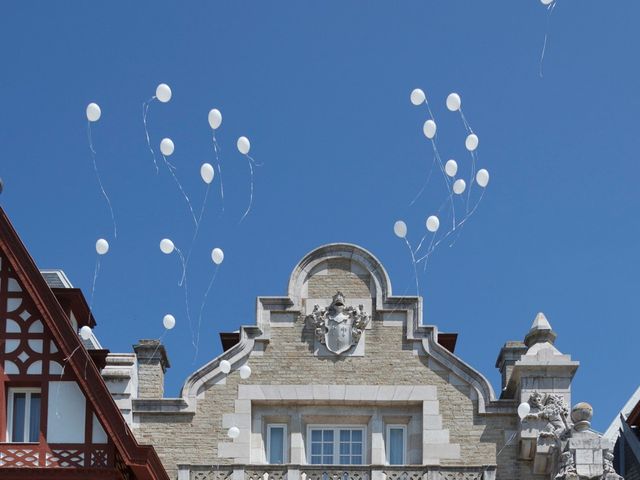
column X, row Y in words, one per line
column 322, row 90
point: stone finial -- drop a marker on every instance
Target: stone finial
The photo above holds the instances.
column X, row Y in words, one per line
column 581, row 415
column 540, row 331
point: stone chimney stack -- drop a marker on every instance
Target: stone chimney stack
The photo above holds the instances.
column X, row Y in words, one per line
column 152, row 365
column 509, row 355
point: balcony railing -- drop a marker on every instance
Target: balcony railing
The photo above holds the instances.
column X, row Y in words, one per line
column 337, row 472
column 65, row 455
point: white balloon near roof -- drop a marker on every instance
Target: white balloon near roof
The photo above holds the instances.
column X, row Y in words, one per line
column 225, row 366
column 454, row 102
column 471, row 142
column 166, row 246
column 169, row 321
column 217, row 255
column 207, row 173
column 429, row 129
column 85, row 332
column 523, row 410
column 451, row 168
column 244, row 145
column 417, row 97
column 400, row 229
column 233, row 432
column 102, row 246
column 163, row 92
column 215, row 118
column 93, row 112
column 433, row 223
column 459, row 186
column 482, row 177
column 167, row 147
column 245, row 372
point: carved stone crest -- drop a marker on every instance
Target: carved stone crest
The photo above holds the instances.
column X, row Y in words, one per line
column 339, row 327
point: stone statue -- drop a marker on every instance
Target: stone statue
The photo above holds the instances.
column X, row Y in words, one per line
column 607, row 463
column 566, row 467
column 552, row 409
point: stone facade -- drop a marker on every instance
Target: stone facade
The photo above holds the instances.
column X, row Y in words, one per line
column 395, row 372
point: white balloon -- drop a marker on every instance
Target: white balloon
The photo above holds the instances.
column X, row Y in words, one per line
column 207, row 172
column 454, row 102
column 85, row 332
column 167, row 147
column 169, row 321
column 217, row 255
column 433, row 223
column 429, row 129
column 471, row 142
column 215, row 118
column 547, row 2
column 225, row 366
column 400, row 229
column 93, row 112
column 233, row 432
column 451, row 168
column 418, row 97
column 245, row 372
column 482, row 177
column 163, row 93
column 244, row 145
column 459, row 186
column 102, row 246
column 523, row 410
column 166, row 246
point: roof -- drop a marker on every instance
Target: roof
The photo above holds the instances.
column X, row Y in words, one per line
column 141, row 459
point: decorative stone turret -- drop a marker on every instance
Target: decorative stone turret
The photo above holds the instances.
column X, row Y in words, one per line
column 152, row 365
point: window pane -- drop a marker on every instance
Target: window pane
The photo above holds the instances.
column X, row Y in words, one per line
column 34, row 417
column 327, row 435
column 356, row 460
column 276, row 445
column 356, row 449
column 316, row 448
column 316, row 460
column 316, row 435
column 19, row 404
column 344, row 448
column 356, row 435
column 345, row 460
column 396, row 446
column 345, row 435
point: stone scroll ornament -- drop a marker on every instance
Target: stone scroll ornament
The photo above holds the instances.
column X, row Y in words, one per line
column 339, row 327
column 579, row 452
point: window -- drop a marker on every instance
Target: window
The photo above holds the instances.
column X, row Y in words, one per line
column 276, row 443
column 396, row 444
column 335, row 445
column 23, row 415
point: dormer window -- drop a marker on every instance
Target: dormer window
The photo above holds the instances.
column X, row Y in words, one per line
column 23, row 415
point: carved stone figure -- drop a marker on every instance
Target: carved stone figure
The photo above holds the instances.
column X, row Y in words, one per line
column 567, row 467
column 339, row 327
column 607, row 463
column 554, row 410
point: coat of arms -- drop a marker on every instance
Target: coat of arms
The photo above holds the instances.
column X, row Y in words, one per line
column 339, row 327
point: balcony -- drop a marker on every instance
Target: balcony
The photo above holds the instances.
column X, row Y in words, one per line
column 334, row 472
column 30, row 455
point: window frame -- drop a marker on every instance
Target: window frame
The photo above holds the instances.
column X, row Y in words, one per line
column 336, row 441
column 285, row 458
column 387, row 449
column 11, row 391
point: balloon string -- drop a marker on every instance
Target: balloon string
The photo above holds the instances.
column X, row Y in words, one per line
column 550, row 9
column 507, row 444
column 252, row 163
column 464, row 120
column 216, row 149
column 471, row 178
column 425, row 183
column 95, row 168
column 413, row 262
column 93, row 284
column 172, row 169
column 183, row 282
column 462, row 222
column 467, row 217
column 446, row 180
column 195, row 234
column 157, row 346
column 204, row 300
column 145, row 113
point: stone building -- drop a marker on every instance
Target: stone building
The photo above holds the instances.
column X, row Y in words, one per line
column 339, row 379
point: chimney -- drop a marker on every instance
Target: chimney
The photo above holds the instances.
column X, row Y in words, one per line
column 510, row 353
column 152, row 365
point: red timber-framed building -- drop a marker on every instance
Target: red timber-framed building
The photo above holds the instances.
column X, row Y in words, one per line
column 57, row 418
